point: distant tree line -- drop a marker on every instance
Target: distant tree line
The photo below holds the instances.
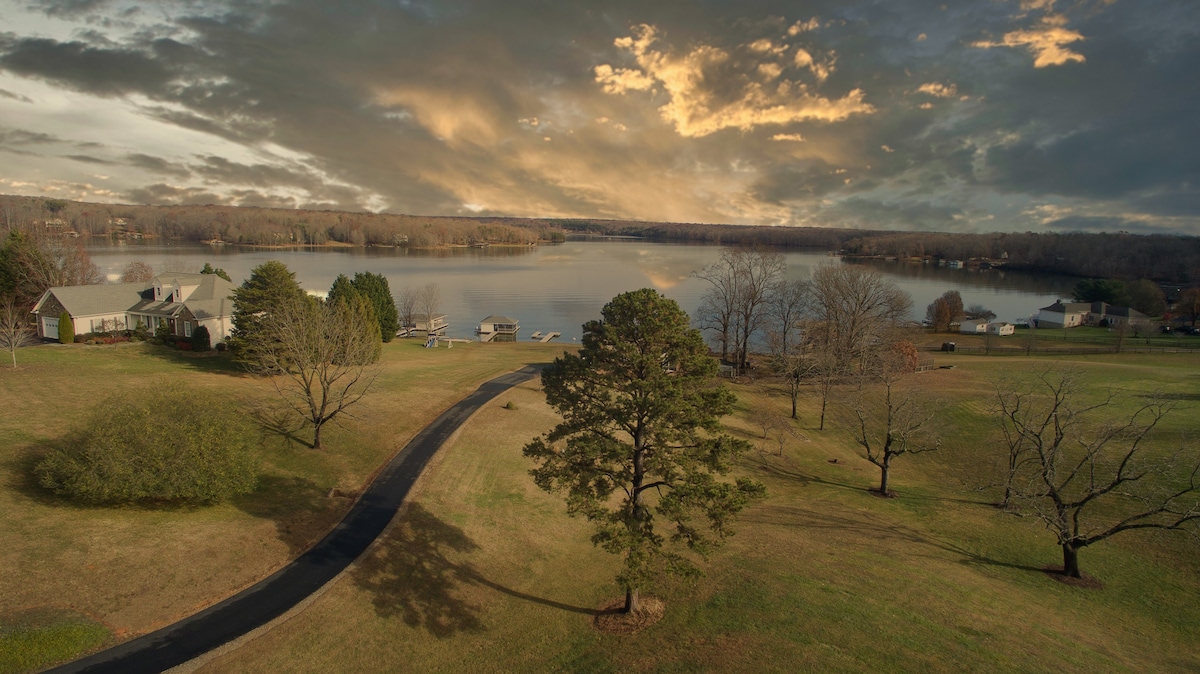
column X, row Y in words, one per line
column 1162, row 258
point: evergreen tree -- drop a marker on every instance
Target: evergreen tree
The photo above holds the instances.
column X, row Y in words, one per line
column 641, row 441
column 375, row 288
column 209, row 269
column 66, row 329
column 341, row 290
column 201, row 340
column 270, row 286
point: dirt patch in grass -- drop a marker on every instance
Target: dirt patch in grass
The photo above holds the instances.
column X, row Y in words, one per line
column 1086, row 583
column 612, row 619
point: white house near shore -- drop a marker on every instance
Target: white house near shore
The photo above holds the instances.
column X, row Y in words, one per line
column 1073, row 314
column 974, row 326
column 180, row 301
column 1001, row 329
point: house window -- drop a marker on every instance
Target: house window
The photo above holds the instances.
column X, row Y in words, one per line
column 187, row 328
column 97, row 325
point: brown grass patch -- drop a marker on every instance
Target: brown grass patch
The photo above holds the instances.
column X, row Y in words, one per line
column 1086, row 583
column 613, row 620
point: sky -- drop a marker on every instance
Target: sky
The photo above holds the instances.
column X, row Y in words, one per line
column 955, row 115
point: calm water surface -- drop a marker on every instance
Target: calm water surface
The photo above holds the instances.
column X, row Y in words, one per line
column 559, row 287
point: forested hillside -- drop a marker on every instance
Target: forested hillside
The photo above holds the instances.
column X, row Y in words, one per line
column 1163, row 258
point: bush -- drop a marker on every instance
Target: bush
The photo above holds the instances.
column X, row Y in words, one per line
column 222, row 347
column 130, row 451
column 66, row 329
column 200, row 339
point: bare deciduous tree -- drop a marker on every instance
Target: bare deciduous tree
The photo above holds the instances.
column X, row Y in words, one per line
column 137, row 272
column 791, row 357
column 406, row 306
column 321, row 357
column 735, row 304
column 428, row 299
column 891, row 420
column 15, row 330
column 856, row 309
column 1089, row 474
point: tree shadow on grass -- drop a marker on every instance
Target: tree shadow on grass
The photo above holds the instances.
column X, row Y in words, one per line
column 279, row 422
column 417, row 574
column 299, row 507
column 775, row 469
column 209, row 361
column 873, row 532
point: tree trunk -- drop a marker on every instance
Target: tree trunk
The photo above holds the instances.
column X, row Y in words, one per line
column 317, row 436
column 883, row 478
column 1071, row 561
column 633, row 600
column 794, row 393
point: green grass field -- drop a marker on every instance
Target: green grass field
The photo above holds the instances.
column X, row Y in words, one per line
column 484, row 572
column 129, row 570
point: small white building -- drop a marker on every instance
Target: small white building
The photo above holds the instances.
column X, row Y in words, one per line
column 1001, row 329
column 503, row 325
column 974, row 326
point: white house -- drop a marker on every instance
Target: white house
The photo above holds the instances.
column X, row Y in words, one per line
column 1072, row 314
column 1063, row 314
column 1001, row 329
column 180, row 301
column 974, row 326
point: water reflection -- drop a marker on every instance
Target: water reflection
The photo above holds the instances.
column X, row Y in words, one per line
column 559, row 287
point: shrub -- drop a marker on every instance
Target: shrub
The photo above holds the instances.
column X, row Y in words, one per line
column 66, row 329
column 200, row 339
column 170, row 445
column 222, row 347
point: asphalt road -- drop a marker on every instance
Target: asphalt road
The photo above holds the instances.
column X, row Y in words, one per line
column 272, row 597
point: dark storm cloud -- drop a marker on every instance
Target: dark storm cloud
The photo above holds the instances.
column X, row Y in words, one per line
column 69, row 8
column 161, row 193
column 908, row 114
column 23, row 137
column 105, row 72
column 88, row 159
column 15, row 97
column 156, row 165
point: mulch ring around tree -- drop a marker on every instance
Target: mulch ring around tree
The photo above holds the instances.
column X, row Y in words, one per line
column 1086, row 583
column 612, row 620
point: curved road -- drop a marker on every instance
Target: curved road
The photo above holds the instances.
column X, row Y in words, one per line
column 272, row 597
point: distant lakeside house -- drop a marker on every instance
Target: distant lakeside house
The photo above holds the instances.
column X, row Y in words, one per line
column 1074, row 314
column 180, row 301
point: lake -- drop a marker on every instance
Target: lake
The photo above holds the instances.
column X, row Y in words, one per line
column 558, row 287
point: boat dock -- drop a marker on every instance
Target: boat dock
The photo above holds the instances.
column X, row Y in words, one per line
column 549, row 336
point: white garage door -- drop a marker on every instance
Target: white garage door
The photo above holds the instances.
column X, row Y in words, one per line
column 49, row 327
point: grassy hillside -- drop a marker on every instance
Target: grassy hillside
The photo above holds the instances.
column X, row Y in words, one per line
column 483, row 572
column 73, row 578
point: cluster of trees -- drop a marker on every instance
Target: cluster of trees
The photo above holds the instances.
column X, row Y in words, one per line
column 948, row 309
column 1140, row 294
column 321, row 355
column 264, row 226
column 1166, row 258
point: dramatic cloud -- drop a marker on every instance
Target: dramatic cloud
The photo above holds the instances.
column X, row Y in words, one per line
column 708, row 89
column 1047, row 41
column 980, row 114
